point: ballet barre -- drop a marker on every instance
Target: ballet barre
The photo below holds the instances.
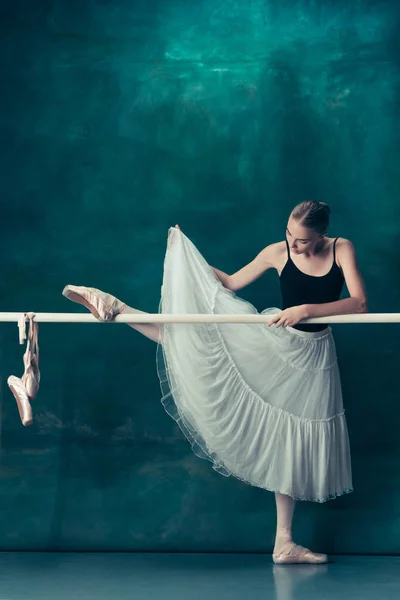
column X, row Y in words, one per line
column 133, row 318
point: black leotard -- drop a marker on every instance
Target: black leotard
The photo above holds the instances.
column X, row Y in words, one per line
column 299, row 288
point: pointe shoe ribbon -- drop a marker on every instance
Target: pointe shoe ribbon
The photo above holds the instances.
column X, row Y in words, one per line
column 22, row 328
column 292, row 553
column 25, row 389
column 102, row 306
column 31, row 376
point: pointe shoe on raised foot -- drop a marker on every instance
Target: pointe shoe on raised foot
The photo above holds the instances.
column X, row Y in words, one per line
column 25, row 389
column 292, row 553
column 102, row 306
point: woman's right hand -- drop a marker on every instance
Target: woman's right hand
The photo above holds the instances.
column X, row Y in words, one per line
column 171, row 235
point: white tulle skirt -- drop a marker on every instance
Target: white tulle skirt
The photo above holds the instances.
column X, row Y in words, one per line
column 262, row 404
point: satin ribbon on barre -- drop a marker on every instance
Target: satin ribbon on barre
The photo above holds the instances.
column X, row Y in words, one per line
column 22, row 321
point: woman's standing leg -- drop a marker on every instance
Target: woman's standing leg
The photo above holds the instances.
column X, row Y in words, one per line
column 285, row 506
column 285, row 550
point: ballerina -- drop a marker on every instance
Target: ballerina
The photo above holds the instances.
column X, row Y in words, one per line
column 261, row 402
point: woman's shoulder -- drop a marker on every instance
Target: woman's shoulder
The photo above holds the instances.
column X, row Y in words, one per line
column 277, row 249
column 278, row 246
column 345, row 251
column 343, row 243
column 273, row 254
column 339, row 240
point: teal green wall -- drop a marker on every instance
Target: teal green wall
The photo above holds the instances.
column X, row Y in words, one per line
column 119, row 119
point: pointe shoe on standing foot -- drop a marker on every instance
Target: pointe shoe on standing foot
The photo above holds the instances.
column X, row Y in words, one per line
column 25, row 389
column 291, row 553
column 102, row 306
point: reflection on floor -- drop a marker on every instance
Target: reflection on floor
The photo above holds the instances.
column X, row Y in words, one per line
column 46, row 576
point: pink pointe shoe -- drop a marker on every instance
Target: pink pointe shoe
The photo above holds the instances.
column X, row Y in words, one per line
column 102, row 306
column 25, row 389
column 292, row 553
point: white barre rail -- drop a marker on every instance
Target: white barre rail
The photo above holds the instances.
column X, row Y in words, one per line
column 192, row 318
column 21, row 318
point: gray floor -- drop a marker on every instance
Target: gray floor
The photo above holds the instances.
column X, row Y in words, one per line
column 37, row 576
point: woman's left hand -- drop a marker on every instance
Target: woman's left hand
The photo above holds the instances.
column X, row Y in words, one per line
column 290, row 317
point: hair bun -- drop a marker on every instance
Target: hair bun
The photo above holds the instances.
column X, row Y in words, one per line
column 324, row 204
column 313, row 214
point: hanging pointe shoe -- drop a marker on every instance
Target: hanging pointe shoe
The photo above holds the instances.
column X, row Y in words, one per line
column 25, row 389
column 102, row 306
column 22, row 399
column 291, row 553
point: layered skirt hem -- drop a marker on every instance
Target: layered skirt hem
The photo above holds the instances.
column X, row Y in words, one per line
column 261, row 404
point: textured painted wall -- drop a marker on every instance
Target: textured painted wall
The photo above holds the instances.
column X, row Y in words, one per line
column 121, row 118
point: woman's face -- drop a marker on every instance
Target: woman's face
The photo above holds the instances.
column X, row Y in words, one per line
column 301, row 239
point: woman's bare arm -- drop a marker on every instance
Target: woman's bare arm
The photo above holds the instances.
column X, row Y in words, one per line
column 357, row 303
column 265, row 260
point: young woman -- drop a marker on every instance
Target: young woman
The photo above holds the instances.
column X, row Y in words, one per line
column 261, row 402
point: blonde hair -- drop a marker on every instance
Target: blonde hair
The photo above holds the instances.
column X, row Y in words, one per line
column 314, row 215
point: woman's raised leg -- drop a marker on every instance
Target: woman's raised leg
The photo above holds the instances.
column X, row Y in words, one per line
column 150, row 330
column 106, row 307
